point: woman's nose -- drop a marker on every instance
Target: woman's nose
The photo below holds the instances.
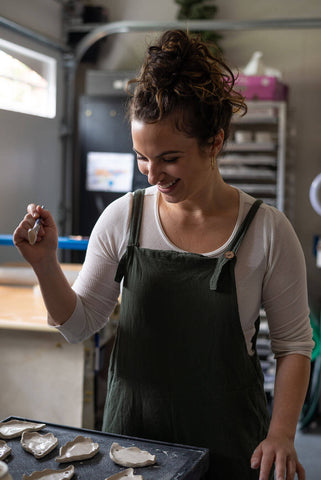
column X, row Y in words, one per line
column 154, row 172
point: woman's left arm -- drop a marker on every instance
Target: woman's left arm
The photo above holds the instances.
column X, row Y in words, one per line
column 291, row 383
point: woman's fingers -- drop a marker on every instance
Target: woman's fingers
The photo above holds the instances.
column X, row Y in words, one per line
column 256, row 457
column 284, row 457
column 32, row 209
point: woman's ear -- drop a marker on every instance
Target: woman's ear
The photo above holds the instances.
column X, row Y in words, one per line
column 217, row 143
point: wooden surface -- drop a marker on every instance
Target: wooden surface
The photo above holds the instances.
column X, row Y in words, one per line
column 22, row 307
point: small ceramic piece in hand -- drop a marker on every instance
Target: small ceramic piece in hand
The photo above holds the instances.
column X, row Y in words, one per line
column 81, row 448
column 131, row 456
column 37, row 444
column 127, row 474
column 14, row 428
column 5, row 450
column 47, row 474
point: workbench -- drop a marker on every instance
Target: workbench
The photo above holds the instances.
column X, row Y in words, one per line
column 41, row 375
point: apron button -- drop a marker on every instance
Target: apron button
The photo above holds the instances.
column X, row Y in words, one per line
column 229, row 254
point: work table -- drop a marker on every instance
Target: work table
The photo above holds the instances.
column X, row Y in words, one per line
column 21, row 303
column 23, row 309
column 41, row 375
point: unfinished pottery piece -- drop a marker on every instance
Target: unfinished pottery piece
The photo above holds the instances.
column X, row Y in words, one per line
column 5, row 450
column 37, row 444
column 81, row 448
column 14, row 428
column 51, row 474
column 127, row 474
column 131, row 456
column 4, row 472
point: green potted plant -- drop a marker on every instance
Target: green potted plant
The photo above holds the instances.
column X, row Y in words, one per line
column 200, row 10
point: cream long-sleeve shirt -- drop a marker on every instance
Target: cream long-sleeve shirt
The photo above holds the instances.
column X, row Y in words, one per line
column 270, row 272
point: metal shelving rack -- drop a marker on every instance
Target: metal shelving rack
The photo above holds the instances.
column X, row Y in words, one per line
column 258, row 167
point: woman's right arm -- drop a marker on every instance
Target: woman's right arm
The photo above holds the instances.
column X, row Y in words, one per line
column 59, row 298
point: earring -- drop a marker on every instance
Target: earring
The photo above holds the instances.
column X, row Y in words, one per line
column 212, row 160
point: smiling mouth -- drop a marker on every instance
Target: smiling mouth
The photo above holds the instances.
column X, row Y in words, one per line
column 168, row 185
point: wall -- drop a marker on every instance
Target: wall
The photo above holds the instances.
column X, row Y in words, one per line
column 125, row 51
column 42, row 16
column 30, row 153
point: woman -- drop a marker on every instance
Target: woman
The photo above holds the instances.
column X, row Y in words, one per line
column 197, row 258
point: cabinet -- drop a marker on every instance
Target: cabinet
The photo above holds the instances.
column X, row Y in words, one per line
column 254, row 156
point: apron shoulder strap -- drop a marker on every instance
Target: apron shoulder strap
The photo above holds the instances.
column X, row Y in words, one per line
column 234, row 245
column 134, row 230
column 136, row 217
column 236, row 242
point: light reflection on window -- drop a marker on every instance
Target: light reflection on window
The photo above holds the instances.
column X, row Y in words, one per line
column 27, row 83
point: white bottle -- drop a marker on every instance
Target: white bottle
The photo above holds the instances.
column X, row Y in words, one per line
column 4, row 472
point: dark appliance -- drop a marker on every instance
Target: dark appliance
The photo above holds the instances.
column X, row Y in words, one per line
column 104, row 134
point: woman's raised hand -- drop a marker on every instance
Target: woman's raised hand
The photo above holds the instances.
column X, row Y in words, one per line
column 46, row 244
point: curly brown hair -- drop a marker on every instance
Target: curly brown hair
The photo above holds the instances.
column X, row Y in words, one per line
column 181, row 76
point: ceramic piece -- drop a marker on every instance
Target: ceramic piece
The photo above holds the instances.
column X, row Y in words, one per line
column 37, row 444
column 127, row 474
column 131, row 456
column 5, row 450
column 81, row 448
column 47, row 474
column 14, row 428
column 4, row 472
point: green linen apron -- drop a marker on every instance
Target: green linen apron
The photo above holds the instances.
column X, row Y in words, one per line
column 180, row 371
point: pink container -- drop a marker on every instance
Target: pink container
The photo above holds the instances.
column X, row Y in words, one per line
column 259, row 87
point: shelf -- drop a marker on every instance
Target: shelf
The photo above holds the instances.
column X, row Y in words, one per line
column 256, row 189
column 252, row 119
column 239, row 159
column 241, row 173
column 250, row 147
column 258, row 167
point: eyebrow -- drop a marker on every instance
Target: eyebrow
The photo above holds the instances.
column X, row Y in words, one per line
column 167, row 152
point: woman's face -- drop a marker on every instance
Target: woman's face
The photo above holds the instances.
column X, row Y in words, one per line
column 172, row 161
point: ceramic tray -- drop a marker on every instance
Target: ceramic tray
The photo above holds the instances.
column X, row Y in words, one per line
column 37, row 444
column 4, row 471
column 81, row 448
column 131, row 456
column 172, row 461
column 14, row 428
column 5, row 450
column 127, row 474
column 50, row 474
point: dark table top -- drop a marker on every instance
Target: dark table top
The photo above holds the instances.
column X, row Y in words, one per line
column 173, row 461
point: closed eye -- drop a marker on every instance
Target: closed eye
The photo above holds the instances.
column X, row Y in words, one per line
column 161, row 156
column 170, row 160
column 166, row 160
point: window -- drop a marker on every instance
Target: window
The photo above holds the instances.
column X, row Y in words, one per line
column 27, row 81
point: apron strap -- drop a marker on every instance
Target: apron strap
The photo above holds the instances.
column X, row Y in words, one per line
column 234, row 245
column 136, row 218
column 135, row 221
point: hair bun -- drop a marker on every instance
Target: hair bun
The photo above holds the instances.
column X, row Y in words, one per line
column 181, row 75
